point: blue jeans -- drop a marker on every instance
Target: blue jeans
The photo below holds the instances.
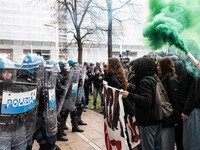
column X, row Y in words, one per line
column 96, row 91
column 150, row 137
column 191, row 131
column 168, row 138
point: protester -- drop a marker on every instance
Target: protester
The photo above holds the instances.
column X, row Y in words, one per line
column 166, row 70
column 116, row 78
column 149, row 126
column 181, row 73
column 87, row 86
column 97, row 79
column 190, row 93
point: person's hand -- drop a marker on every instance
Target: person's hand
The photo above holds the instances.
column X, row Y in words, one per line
column 124, row 94
column 105, row 83
column 198, row 65
column 184, row 117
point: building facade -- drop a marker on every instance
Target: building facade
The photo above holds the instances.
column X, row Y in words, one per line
column 28, row 26
column 22, row 29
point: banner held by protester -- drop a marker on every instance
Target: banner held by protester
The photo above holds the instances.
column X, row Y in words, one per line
column 116, row 129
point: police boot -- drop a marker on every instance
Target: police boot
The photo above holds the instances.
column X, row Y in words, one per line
column 63, row 119
column 53, row 147
column 79, row 113
column 75, row 127
column 61, row 135
column 44, row 147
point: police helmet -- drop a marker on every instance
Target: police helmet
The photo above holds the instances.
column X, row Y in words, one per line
column 32, row 61
column 71, row 62
column 6, row 63
column 64, row 66
column 55, row 65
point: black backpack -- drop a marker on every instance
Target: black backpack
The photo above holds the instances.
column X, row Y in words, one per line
column 162, row 108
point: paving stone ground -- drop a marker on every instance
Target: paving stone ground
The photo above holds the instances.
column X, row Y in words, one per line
column 91, row 139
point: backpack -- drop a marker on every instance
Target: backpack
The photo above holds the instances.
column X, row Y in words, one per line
column 162, row 108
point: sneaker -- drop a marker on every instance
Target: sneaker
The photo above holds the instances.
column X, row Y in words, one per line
column 93, row 107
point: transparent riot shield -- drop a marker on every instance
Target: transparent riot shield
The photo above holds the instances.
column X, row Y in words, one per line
column 61, row 101
column 81, row 92
column 18, row 94
column 73, row 89
column 83, row 73
column 50, row 108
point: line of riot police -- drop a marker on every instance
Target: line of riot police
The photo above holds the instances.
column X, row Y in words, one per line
column 35, row 100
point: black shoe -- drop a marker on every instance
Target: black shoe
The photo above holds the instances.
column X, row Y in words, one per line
column 101, row 112
column 64, row 134
column 62, row 138
column 76, row 129
column 82, row 122
column 65, row 127
column 57, row 147
column 44, row 147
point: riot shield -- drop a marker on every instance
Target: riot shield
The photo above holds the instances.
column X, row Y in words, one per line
column 83, row 73
column 81, row 92
column 61, row 101
column 50, row 109
column 73, row 89
column 18, row 93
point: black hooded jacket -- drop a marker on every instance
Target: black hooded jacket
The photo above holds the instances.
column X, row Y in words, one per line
column 145, row 87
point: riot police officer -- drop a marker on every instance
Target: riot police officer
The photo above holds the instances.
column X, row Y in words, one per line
column 62, row 87
column 18, row 107
column 46, row 128
column 69, row 105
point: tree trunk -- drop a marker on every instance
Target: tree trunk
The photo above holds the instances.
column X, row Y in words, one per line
column 109, row 4
column 80, row 51
column 80, row 46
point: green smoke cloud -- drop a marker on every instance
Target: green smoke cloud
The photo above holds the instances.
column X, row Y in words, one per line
column 173, row 22
column 168, row 19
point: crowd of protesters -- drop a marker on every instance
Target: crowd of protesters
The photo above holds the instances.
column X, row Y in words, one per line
column 178, row 131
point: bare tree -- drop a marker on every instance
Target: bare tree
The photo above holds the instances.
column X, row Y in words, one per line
column 113, row 12
column 89, row 16
column 75, row 12
column 117, row 15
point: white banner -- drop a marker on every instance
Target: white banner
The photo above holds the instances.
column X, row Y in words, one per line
column 116, row 128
